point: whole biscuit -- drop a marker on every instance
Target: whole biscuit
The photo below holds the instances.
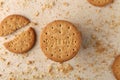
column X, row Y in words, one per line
column 60, row 40
column 11, row 23
column 116, row 67
column 100, row 3
column 22, row 42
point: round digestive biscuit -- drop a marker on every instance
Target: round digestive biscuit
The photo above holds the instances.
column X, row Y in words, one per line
column 60, row 40
column 116, row 67
column 100, row 3
column 11, row 23
column 22, row 42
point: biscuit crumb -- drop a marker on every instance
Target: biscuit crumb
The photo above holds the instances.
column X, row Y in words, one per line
column 0, row 75
column 65, row 68
column 78, row 78
column 12, row 78
column 66, row 4
column 37, row 14
column 1, row 3
column 30, row 62
column 8, row 63
column 48, row 5
column 99, row 47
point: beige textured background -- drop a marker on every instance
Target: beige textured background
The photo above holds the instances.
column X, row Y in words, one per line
column 100, row 29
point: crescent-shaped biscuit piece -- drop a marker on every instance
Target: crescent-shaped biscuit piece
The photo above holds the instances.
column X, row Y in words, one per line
column 22, row 42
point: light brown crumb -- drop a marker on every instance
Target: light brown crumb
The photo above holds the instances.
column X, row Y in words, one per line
column 89, row 21
column 78, row 78
column 65, row 68
column 8, row 63
column 0, row 75
column 93, row 36
column 12, row 78
column 66, row 4
column 50, row 68
column 33, row 24
column 99, row 47
column 3, row 59
column 30, row 62
column 1, row 3
column 37, row 14
column 48, row 5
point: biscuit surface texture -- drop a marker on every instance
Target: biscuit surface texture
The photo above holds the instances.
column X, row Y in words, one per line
column 100, row 2
column 22, row 42
column 60, row 40
column 11, row 23
column 116, row 67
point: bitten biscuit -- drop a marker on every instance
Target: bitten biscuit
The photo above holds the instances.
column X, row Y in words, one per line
column 11, row 23
column 100, row 3
column 60, row 40
column 116, row 67
column 22, row 42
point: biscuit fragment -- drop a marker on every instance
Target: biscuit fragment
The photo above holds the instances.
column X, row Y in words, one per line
column 100, row 3
column 60, row 40
column 116, row 67
column 22, row 42
column 12, row 23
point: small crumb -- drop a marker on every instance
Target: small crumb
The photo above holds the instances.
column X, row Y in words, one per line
column 66, row 4
column 30, row 62
column 78, row 78
column 48, row 5
column 50, row 68
column 6, row 38
column 37, row 14
column 0, row 75
column 8, row 63
column 12, row 78
column 65, row 68
column 93, row 36
column 98, row 11
column 3, row 59
column 1, row 3
column 99, row 47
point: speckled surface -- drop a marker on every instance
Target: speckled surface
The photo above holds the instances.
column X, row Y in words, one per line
column 100, row 29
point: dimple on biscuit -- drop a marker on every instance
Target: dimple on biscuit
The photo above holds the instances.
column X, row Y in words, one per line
column 12, row 23
column 60, row 40
column 22, row 43
column 100, row 3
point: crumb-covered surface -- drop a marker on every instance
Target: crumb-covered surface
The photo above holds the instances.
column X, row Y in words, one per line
column 100, row 28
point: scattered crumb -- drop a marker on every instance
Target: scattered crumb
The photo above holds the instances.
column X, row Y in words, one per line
column 78, row 78
column 37, row 13
column 65, row 68
column 89, row 21
column 50, row 68
column 3, row 59
column 0, row 75
column 66, row 4
column 1, row 3
column 99, row 47
column 48, row 5
column 30, row 62
column 8, row 63
column 6, row 38
column 12, row 78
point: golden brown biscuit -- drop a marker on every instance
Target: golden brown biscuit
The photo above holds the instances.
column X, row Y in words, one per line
column 12, row 23
column 22, row 42
column 116, row 67
column 60, row 40
column 100, row 3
